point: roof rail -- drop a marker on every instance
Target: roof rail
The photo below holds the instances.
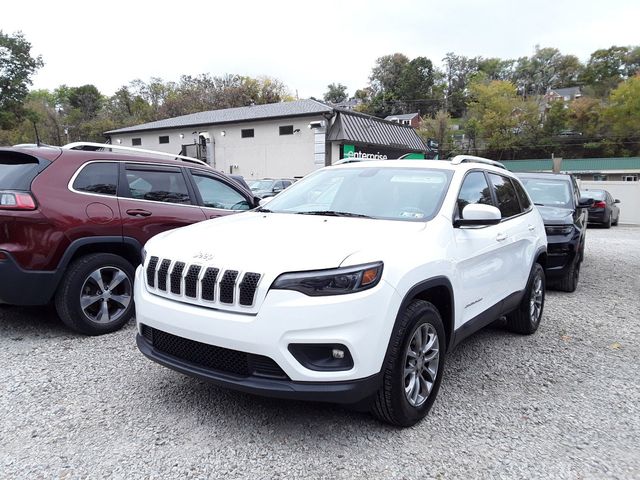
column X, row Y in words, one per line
column 458, row 159
column 76, row 145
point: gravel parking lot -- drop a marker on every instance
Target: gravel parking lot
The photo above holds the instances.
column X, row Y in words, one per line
column 564, row 403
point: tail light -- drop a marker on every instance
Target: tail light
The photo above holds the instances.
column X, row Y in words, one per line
column 599, row 205
column 16, row 201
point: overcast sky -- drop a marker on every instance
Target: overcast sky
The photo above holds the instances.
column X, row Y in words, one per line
column 306, row 44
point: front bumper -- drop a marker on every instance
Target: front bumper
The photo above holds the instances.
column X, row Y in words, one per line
column 362, row 322
column 561, row 254
column 347, row 392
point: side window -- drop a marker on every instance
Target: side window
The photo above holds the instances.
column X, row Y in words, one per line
column 158, row 185
column 216, row 194
column 286, row 183
column 474, row 190
column 100, row 177
column 506, row 195
column 525, row 203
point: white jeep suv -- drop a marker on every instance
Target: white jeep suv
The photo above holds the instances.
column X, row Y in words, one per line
column 349, row 286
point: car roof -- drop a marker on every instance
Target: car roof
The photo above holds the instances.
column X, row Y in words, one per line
column 52, row 153
column 426, row 164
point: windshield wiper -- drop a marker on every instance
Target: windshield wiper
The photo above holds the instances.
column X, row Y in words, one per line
column 263, row 210
column 539, row 204
column 333, row 213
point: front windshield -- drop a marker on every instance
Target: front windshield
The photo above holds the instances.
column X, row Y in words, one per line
column 387, row 193
column 261, row 185
column 549, row 192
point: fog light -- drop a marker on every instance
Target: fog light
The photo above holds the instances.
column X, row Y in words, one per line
column 337, row 353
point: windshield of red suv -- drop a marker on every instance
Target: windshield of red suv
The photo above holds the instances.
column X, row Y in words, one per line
column 390, row 193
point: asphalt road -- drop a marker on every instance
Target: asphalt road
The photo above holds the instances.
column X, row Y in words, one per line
column 564, row 403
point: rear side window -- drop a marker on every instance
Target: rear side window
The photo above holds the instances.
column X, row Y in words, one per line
column 506, row 195
column 17, row 170
column 157, row 185
column 475, row 189
column 99, row 177
column 525, row 203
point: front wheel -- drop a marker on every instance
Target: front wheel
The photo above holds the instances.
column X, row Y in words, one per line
column 526, row 318
column 413, row 370
column 96, row 294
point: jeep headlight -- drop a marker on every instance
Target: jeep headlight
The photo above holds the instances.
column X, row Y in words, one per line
column 337, row 281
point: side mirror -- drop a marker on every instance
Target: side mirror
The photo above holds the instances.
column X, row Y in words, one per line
column 585, row 202
column 616, row 201
column 264, row 201
column 477, row 214
column 276, row 189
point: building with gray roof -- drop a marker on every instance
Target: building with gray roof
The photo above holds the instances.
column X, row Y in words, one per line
column 275, row 140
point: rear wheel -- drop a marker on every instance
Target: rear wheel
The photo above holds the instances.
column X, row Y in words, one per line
column 413, row 371
column 526, row 318
column 96, row 294
column 607, row 224
column 615, row 223
column 569, row 282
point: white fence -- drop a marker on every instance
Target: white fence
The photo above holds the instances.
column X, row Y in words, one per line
column 627, row 192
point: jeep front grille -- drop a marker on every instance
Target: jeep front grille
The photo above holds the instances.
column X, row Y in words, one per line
column 196, row 284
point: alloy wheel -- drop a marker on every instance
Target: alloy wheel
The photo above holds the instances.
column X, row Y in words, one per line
column 422, row 357
column 536, row 299
column 105, row 294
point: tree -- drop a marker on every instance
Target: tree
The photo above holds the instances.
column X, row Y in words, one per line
column 458, row 73
column 386, row 73
column 87, row 99
column 622, row 114
column 606, row 68
column 415, row 85
column 439, row 129
column 16, row 68
column 336, row 93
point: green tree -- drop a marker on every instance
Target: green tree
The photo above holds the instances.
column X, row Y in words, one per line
column 87, row 99
column 335, row 93
column 16, row 68
column 386, row 73
column 606, row 68
column 439, row 129
column 622, row 114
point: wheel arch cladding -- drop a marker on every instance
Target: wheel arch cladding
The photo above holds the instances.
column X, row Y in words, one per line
column 437, row 291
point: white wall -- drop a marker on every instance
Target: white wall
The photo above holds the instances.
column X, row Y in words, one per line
column 627, row 192
column 267, row 154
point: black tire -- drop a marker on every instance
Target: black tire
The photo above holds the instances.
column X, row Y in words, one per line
column 607, row 224
column 615, row 224
column 525, row 320
column 390, row 403
column 569, row 282
column 78, row 283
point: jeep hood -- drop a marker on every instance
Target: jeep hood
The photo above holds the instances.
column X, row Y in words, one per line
column 277, row 242
column 555, row 215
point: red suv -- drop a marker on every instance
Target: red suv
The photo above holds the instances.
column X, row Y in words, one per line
column 73, row 223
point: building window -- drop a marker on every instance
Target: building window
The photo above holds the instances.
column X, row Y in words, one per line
column 136, row 142
column 163, row 139
column 247, row 133
column 599, row 177
column 630, row 178
column 286, row 130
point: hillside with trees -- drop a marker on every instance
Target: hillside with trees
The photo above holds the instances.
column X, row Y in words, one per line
column 500, row 108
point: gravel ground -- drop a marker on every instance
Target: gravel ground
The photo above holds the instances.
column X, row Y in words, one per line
column 564, row 403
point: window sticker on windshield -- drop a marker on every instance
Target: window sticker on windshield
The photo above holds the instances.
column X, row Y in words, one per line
column 409, row 214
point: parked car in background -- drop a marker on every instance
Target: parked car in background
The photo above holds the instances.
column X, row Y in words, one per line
column 240, row 179
column 605, row 210
column 366, row 275
column 74, row 223
column 268, row 187
column 563, row 210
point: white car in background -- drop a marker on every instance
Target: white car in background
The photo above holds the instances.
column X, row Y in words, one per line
column 350, row 286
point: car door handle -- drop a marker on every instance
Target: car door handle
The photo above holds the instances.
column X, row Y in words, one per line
column 138, row 212
column 532, row 228
column 501, row 237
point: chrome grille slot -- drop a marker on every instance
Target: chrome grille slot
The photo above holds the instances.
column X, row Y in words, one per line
column 162, row 274
column 151, row 271
column 176, row 278
column 248, row 287
column 191, row 281
column 209, row 284
column 227, row 286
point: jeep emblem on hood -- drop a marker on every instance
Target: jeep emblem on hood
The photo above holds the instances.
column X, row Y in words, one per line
column 204, row 256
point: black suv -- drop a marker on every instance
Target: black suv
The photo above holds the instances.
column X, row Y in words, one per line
column 563, row 210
